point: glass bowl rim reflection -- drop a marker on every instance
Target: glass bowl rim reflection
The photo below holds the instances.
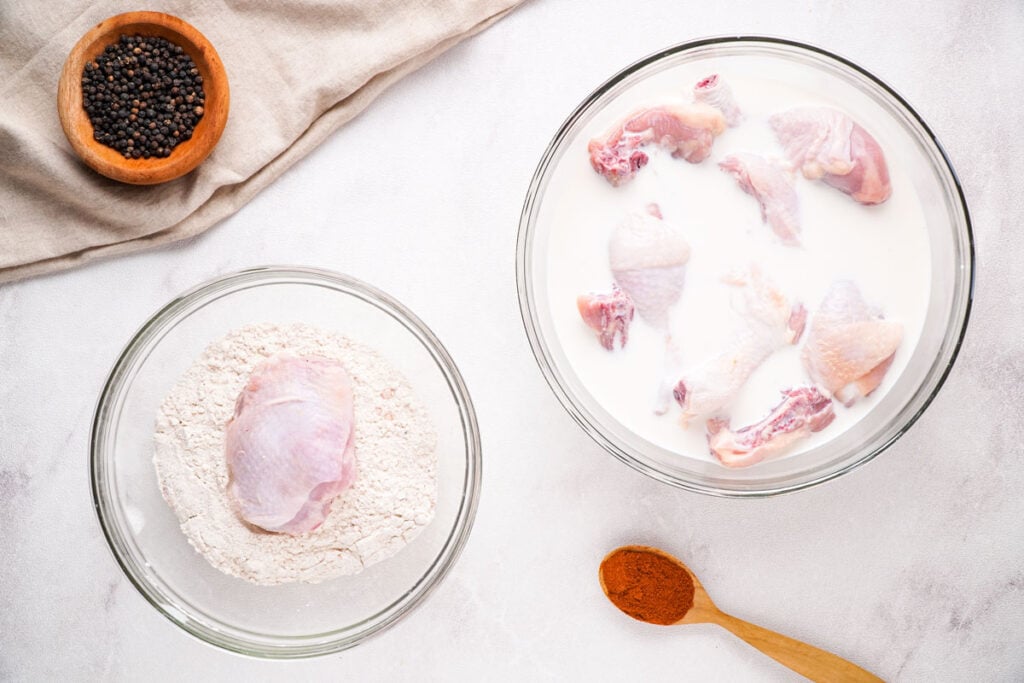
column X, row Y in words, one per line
column 102, row 467
column 961, row 308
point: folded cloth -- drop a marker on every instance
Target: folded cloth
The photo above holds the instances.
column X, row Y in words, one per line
column 298, row 69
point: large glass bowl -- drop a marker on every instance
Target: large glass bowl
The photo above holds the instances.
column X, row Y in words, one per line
column 952, row 272
column 292, row 620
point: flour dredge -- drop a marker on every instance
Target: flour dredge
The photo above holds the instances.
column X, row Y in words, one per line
column 390, row 502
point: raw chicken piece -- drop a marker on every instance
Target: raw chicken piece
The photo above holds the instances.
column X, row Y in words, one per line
column 772, row 187
column 607, row 314
column 290, row 443
column 714, row 91
column 850, row 346
column 771, row 322
column 648, row 258
column 827, row 144
column 803, row 411
column 685, row 130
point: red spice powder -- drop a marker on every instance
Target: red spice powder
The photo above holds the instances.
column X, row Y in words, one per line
column 647, row 586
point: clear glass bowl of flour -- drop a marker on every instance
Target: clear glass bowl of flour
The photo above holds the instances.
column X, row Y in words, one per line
column 568, row 204
column 290, row 620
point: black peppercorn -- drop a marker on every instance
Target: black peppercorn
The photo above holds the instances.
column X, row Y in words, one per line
column 125, row 86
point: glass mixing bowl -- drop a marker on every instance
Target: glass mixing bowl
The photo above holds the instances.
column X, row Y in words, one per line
column 291, row 620
column 949, row 233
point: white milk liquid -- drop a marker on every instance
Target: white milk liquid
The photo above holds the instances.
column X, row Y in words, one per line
column 883, row 249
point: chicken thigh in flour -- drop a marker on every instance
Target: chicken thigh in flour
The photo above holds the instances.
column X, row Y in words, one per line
column 290, row 443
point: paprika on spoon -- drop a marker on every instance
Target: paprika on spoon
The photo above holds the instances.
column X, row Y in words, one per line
column 652, row 586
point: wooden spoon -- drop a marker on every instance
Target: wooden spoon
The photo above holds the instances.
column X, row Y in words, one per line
column 631, row 593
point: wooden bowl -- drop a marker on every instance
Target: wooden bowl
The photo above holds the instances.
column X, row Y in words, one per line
column 186, row 155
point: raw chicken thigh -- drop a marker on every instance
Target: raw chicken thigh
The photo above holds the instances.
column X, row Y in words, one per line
column 290, row 443
column 685, row 130
column 714, row 91
column 771, row 322
column 648, row 258
column 827, row 144
column 803, row 411
column 609, row 315
column 850, row 346
column 772, row 187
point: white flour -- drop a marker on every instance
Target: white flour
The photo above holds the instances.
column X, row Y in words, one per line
column 391, row 500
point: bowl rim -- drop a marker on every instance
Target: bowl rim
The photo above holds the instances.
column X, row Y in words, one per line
column 285, row 647
column 537, row 345
column 107, row 161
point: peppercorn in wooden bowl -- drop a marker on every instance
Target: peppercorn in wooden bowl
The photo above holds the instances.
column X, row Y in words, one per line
column 191, row 101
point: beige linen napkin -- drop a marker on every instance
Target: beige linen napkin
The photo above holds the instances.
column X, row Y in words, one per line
column 298, row 69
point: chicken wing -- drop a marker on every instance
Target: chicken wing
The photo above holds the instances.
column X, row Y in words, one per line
column 714, row 91
column 609, row 315
column 685, row 130
column 772, row 187
column 803, row 411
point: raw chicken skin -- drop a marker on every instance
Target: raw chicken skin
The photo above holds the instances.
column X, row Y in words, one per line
column 609, row 315
column 803, row 411
column 849, row 346
column 714, row 91
column 685, row 130
column 290, row 443
column 648, row 258
column 772, row 187
column 771, row 322
column 827, row 144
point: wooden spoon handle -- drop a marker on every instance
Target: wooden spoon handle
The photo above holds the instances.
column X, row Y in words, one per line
column 815, row 664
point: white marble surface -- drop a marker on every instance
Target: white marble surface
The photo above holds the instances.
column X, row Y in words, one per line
column 913, row 565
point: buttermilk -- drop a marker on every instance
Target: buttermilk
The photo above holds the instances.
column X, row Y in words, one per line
column 884, row 249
